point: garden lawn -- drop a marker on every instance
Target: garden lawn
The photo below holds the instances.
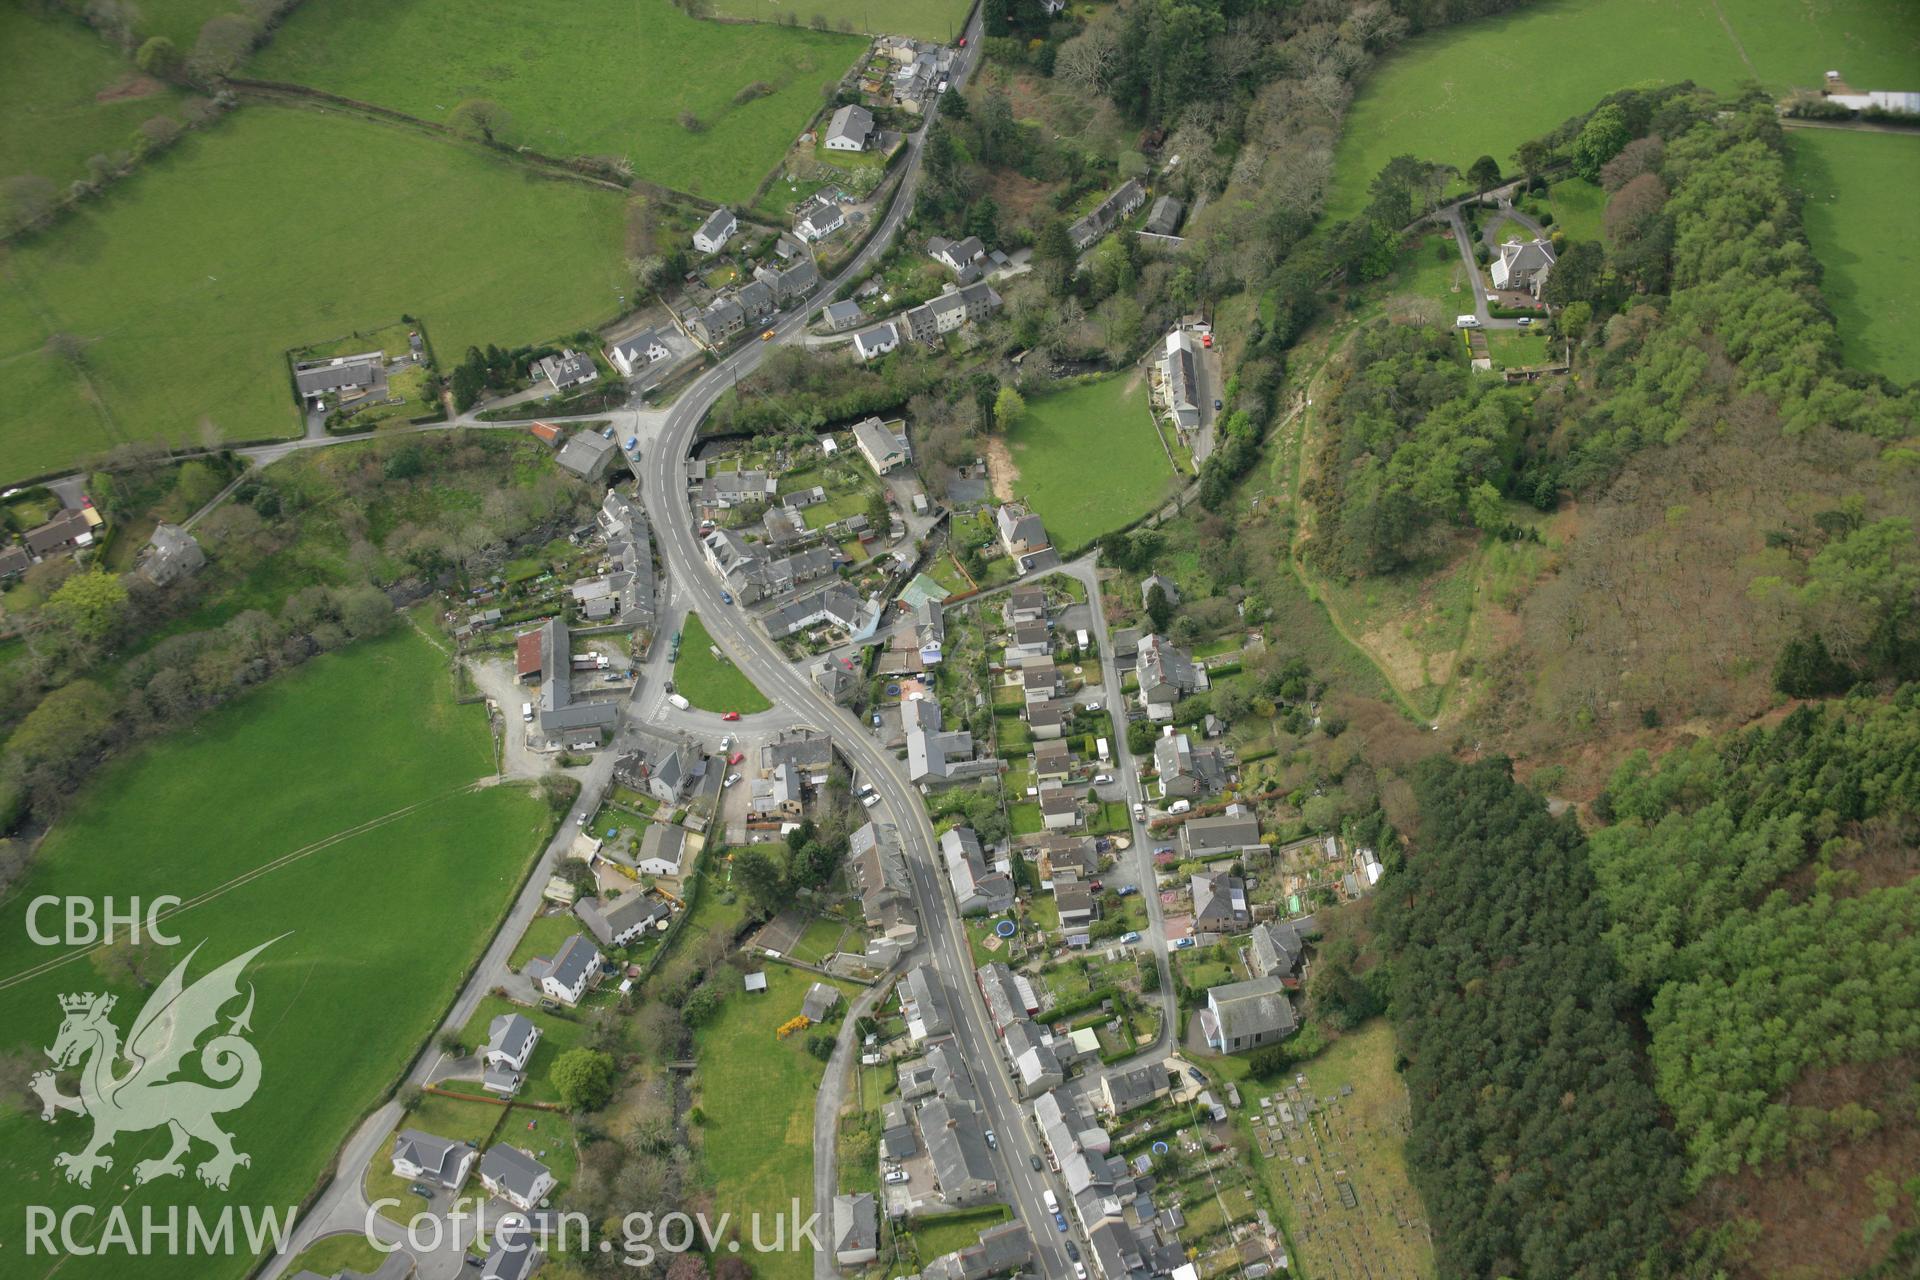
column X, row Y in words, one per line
column 1089, row 460
column 352, row 738
column 939, row 20
column 188, row 283
column 1578, row 207
column 65, row 96
column 1484, row 87
column 1860, row 221
column 710, row 683
column 558, row 1033
column 756, row 1093
column 647, row 65
column 443, row 1117
column 543, row 937
column 943, row 1233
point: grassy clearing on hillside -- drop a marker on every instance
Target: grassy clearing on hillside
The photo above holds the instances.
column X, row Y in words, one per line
column 1859, row 218
column 923, row 19
column 249, row 784
column 1089, row 459
column 188, row 283
column 1484, row 87
column 1578, row 209
column 53, row 76
column 580, row 79
column 755, row 1092
column 710, row 683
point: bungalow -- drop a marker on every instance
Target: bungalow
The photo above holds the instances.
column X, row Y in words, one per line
column 856, row 1230
column 71, row 529
column 877, row 341
column 631, row 355
column 977, row 888
column 1180, row 380
column 14, row 561
column 716, row 230
column 570, row 974
column 569, row 369
column 819, row 223
column 819, row 1002
column 1213, row 837
column 1246, row 1015
column 346, row 377
column 850, row 129
column 1523, row 265
column 515, row 1176
column 1167, row 674
column 617, row 922
column 1220, row 903
column 841, row 316
column 884, row 448
column 588, row 454
column 663, row 850
column 1059, row 808
column 423, row 1157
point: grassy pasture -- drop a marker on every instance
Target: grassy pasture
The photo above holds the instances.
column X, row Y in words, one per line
column 940, row 20
column 710, row 683
column 646, row 63
column 1088, row 459
column 1862, row 230
column 1484, row 87
column 65, row 96
column 756, row 1094
column 250, row 784
column 189, row 283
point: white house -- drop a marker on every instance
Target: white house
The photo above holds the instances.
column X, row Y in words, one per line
column 820, row 222
column 877, row 341
column 716, row 230
column 423, row 1157
column 1523, row 265
column 633, row 354
column 510, row 1042
column 515, row 1176
column 850, row 129
column 884, row 448
column 571, row 973
column 663, row 850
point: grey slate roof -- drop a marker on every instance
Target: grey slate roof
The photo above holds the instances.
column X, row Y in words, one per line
column 513, row 1169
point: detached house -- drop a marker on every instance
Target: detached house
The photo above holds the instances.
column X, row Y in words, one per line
column 877, row 341
column 631, row 355
column 1246, row 1015
column 569, row 369
column 1220, row 903
column 1186, row 771
column 1167, row 674
column 716, row 231
column 511, row 1039
column 515, row 1176
column 1180, row 380
column 850, row 129
column 1523, row 265
column 1024, row 538
column 885, row 449
column 618, row 921
column 570, row 974
column 423, row 1157
column 856, row 1230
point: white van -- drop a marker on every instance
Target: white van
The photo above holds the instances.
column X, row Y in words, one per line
column 1053, row 1202
column 679, row 702
column 1180, row 806
column 1466, row 322
column 526, row 712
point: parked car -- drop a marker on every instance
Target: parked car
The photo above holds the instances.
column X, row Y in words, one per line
column 1180, row 806
column 1035, row 1162
column 736, row 757
column 1196, row 1075
column 726, row 597
column 526, row 712
column 1466, row 322
column 1185, row 944
column 580, row 820
column 1139, row 809
column 731, row 779
column 1060, row 1221
column 1163, row 849
column 897, row 1177
column 422, row 1190
column 1130, row 936
column 679, row 702
column 1128, row 890
column 1102, row 779
column 1218, row 405
column 1080, row 1271
column 992, row 1141
column 869, row 801
column 731, row 716
column 1525, row 322
column 1073, row 1251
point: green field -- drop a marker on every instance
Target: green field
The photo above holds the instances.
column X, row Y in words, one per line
column 589, row 80
column 189, row 282
column 710, row 683
column 940, row 20
column 1089, row 460
column 399, row 908
column 181, row 20
column 756, row 1094
column 53, row 74
column 1484, row 87
column 1862, row 230
column 1578, row 209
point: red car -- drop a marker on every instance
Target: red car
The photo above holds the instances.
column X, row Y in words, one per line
column 736, row 757
column 731, row 715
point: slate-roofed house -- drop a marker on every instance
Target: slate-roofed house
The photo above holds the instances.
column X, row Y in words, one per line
column 515, row 1176
column 513, row 1256
column 819, row 1002
column 510, row 1043
column 1220, row 903
column 588, row 454
column 663, row 850
column 663, row 765
column 716, row 230
column 172, row 553
column 819, row 222
column 1035, row 1064
column 426, row 1157
column 1063, row 856
column 807, row 751
column 1021, row 533
column 1125, row 1091
column 1030, row 640
column 1026, row 603
column 777, row 795
column 878, row 868
column 1059, row 809
column 1246, row 1015
column 856, row 1229
column 721, row 319
column 836, row 604
column 14, row 561
column 724, row 490
column 571, row 973
column 618, row 921
column 1276, row 948
column 1164, row 583
column 1126, row 645
column 1187, row 771
column 1225, row 833
column 930, row 632
column 557, row 714
column 850, row 129
column 792, row 284
column 932, row 751
column 348, row 377
column 631, row 355
column 1049, row 719
column 1522, row 264
column 885, row 449
column 1052, row 761
column 1075, row 903
column 1163, row 219
column 898, row 1141
column 951, row 310
column 1006, row 1003
column 965, row 258
column 923, row 995
column 569, row 369
column 977, row 888
column 871, row 343
column 1000, row 1250
column 1166, row 675
column 1130, row 195
column 962, row 1164
column 844, row 315
column 1039, row 680
column 1180, row 379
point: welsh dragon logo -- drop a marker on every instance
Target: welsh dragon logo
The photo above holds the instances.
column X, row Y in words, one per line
column 147, row 1095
